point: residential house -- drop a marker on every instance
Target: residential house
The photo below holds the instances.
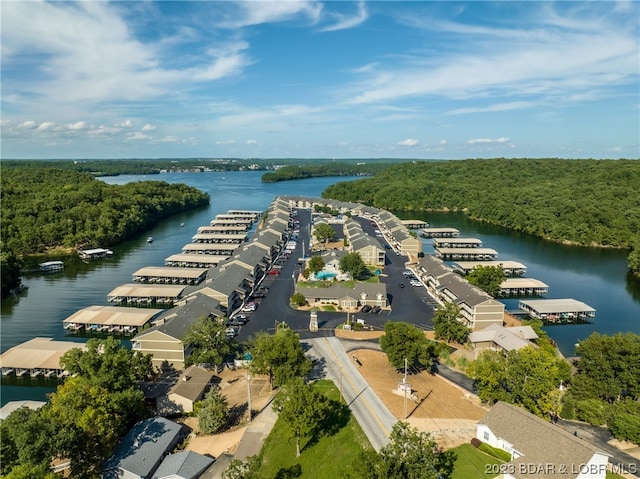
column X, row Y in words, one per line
column 183, row 465
column 191, row 386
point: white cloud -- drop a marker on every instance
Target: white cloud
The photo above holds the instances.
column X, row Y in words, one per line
column 46, row 125
column 343, row 22
column 477, row 141
column 78, row 125
column 408, row 142
column 137, row 136
column 148, row 127
column 125, row 124
column 225, row 142
column 252, row 142
column 514, row 105
column 245, row 13
column 28, row 125
column 170, row 139
column 443, row 142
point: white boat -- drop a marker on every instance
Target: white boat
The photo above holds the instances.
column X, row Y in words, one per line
column 51, row 266
column 182, row 225
column 150, row 239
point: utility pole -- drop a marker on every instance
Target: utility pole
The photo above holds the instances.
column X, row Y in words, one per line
column 341, row 396
column 404, row 385
column 249, row 394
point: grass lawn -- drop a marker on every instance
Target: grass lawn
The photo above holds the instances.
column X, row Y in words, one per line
column 473, row 464
column 325, row 457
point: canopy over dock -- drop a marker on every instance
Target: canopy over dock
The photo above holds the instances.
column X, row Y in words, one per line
column 510, row 268
column 110, row 319
column 457, row 242
column 439, row 232
column 166, row 274
column 144, row 294
column 219, row 238
column 229, row 230
column 209, row 248
column 415, row 224
column 184, row 260
column 523, row 287
column 477, row 254
column 94, row 253
column 36, row 356
column 50, row 266
column 558, row 310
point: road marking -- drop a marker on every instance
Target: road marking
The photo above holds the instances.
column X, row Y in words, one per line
column 353, row 386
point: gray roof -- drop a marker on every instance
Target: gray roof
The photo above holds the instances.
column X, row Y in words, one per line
column 230, row 280
column 185, row 465
column 337, row 292
column 464, row 291
column 180, row 318
column 433, row 266
column 539, row 441
column 193, row 383
column 139, row 452
column 507, row 338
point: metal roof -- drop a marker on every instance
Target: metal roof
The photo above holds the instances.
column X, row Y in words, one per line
column 37, row 353
column 147, row 291
column 113, row 315
column 549, row 306
column 170, row 272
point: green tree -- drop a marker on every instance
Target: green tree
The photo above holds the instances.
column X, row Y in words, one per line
column 32, row 471
column 528, row 377
column 487, row 278
column 298, row 299
column 246, row 469
column 213, row 413
column 302, row 408
column 410, row 454
column 633, row 260
column 209, row 343
column 10, row 267
column 447, row 326
column 402, row 341
column 324, row 232
column 352, row 263
column 279, row 355
column 108, row 363
column 316, row 263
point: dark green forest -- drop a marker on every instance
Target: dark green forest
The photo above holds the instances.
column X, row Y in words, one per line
column 583, row 202
column 298, row 171
column 44, row 209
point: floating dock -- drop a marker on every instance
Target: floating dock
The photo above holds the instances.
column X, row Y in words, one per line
column 194, row 260
column 415, row 224
column 226, row 230
column 523, row 287
column 170, row 275
column 95, row 253
column 439, row 232
column 510, row 268
column 457, row 243
column 51, row 266
column 145, row 294
column 558, row 310
column 223, row 238
column 217, row 249
column 36, row 357
column 478, row 254
column 110, row 319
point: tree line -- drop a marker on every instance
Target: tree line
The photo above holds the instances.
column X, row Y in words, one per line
column 45, row 209
column 583, row 202
column 297, row 172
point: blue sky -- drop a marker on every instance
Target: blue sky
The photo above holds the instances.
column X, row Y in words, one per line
column 337, row 79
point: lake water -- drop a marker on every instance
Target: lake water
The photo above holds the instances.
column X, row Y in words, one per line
column 595, row 276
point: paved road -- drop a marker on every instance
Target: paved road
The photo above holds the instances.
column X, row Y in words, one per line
column 373, row 416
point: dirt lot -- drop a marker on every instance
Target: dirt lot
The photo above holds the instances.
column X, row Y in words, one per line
column 447, row 412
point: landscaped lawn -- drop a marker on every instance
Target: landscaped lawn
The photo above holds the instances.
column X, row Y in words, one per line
column 472, row 464
column 326, row 457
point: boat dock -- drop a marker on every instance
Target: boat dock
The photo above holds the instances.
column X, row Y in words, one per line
column 221, row 238
column 457, row 243
column 225, row 230
column 415, row 224
column 37, row 357
column 145, row 294
column 170, row 275
column 94, row 253
column 110, row 319
column 523, row 287
column 558, row 310
column 194, row 260
column 510, row 268
column 51, row 266
column 228, row 220
column 217, row 249
column 478, row 254
column 245, row 214
column 439, row 232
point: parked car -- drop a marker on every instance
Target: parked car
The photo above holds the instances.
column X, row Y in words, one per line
column 366, row 308
column 401, row 285
column 376, row 309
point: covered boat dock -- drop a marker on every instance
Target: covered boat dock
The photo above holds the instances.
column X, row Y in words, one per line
column 94, row 253
column 439, row 232
column 51, row 266
column 222, row 238
column 225, row 230
column 558, row 310
column 227, row 220
column 510, row 268
column 110, row 319
column 523, row 287
column 145, row 294
column 37, row 357
column 415, row 224
column 457, row 243
column 194, row 260
column 209, row 248
column 170, row 275
column 478, row 254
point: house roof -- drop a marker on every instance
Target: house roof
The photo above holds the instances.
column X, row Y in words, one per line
column 539, row 441
column 183, row 465
column 340, row 292
column 192, row 383
column 140, row 450
column 507, row 338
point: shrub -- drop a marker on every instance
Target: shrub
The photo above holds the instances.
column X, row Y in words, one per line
column 495, row 452
column 475, row 442
column 593, row 411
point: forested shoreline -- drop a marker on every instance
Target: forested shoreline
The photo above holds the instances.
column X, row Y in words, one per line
column 297, row 172
column 581, row 202
column 45, row 209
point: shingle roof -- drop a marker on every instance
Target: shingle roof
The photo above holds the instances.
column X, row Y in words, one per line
column 539, row 441
column 185, row 465
column 192, row 383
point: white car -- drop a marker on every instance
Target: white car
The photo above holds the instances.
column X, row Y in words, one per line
column 416, row 283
